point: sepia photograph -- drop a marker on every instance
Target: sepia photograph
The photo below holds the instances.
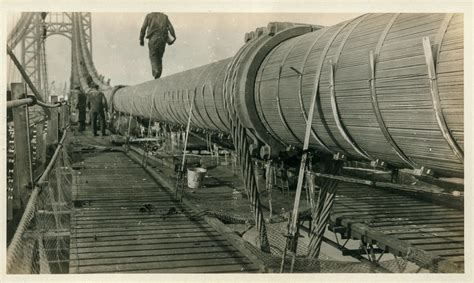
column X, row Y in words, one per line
column 198, row 140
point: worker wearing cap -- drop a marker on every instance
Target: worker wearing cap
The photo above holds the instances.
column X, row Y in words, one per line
column 81, row 108
column 98, row 106
column 159, row 31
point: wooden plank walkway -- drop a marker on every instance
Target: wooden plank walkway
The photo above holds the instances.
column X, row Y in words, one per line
column 112, row 230
column 400, row 223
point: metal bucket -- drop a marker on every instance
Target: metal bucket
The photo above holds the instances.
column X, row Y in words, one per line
column 195, row 177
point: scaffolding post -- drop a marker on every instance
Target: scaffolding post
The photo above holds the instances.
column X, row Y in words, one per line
column 23, row 174
column 53, row 130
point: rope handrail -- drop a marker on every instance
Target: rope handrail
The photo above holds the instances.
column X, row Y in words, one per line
column 19, row 102
column 54, row 105
column 53, row 159
column 31, row 100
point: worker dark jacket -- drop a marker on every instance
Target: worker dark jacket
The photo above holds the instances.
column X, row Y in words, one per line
column 157, row 24
column 96, row 101
column 81, row 104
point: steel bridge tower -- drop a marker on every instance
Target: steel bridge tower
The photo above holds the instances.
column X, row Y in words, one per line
column 32, row 37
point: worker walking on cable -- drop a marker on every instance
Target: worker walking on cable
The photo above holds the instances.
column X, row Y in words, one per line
column 81, row 108
column 159, row 31
column 97, row 106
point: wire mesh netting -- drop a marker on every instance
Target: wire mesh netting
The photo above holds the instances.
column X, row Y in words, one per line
column 41, row 241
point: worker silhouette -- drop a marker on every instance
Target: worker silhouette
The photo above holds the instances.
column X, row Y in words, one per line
column 81, row 107
column 159, row 31
column 97, row 106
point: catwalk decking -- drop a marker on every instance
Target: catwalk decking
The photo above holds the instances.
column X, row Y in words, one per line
column 123, row 221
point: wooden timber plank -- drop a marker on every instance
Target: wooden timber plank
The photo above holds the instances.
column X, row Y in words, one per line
column 441, row 246
column 395, row 211
column 159, row 243
column 130, row 221
column 94, row 207
column 121, row 202
column 119, row 187
column 137, row 223
column 396, row 221
column 139, row 197
column 403, row 216
column 157, row 265
column 457, row 259
column 113, row 169
column 340, row 200
column 181, row 232
column 156, row 258
column 196, row 250
column 125, row 192
column 416, row 230
column 397, row 246
column 144, row 228
column 158, row 250
column 134, row 171
column 162, row 222
column 222, row 268
column 140, row 225
column 137, row 177
column 448, row 224
column 100, row 166
column 385, row 204
column 124, row 217
column 402, row 235
column 173, row 233
column 435, row 225
column 436, row 240
column 448, row 252
column 438, row 227
column 399, row 223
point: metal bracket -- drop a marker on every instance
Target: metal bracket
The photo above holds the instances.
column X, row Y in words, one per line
column 339, row 156
column 423, row 171
column 378, row 164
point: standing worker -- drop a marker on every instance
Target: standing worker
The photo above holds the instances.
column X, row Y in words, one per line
column 97, row 105
column 81, row 108
column 160, row 31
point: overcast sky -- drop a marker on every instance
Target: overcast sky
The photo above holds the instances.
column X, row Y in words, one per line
column 201, row 38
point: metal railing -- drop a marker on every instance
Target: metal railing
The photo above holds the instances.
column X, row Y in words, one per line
column 31, row 100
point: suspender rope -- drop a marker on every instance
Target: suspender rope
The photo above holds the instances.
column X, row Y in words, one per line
column 239, row 137
column 320, row 215
column 180, row 176
column 294, row 216
column 127, row 143
column 293, row 225
column 147, row 151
